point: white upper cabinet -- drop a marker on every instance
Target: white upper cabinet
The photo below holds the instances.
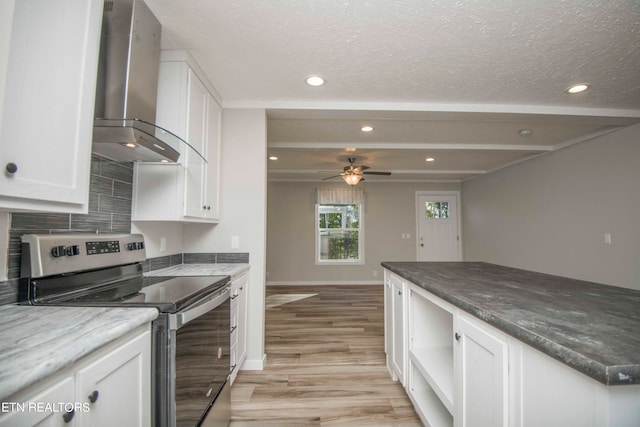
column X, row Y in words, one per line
column 188, row 191
column 49, row 69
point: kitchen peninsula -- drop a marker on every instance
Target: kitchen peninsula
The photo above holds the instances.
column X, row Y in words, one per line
column 476, row 341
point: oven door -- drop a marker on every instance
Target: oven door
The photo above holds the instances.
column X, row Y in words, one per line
column 202, row 359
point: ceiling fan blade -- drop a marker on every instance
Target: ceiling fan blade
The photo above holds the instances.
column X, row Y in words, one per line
column 331, row 177
column 377, row 173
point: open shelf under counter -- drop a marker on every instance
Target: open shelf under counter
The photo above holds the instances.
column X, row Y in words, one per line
column 427, row 403
column 436, row 366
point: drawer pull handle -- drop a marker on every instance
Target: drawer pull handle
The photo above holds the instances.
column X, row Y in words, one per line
column 68, row 416
column 93, row 397
column 457, row 336
column 11, row 168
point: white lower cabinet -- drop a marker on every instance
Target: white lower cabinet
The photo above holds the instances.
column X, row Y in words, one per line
column 110, row 387
column 457, row 368
column 395, row 321
column 62, row 390
column 482, row 370
column 554, row 395
column 431, row 355
column 463, row 372
column 239, row 292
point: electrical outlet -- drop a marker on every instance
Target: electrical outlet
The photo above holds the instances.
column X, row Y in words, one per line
column 235, row 242
column 607, row 238
column 163, row 244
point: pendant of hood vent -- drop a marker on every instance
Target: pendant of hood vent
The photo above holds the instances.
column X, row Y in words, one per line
column 127, row 87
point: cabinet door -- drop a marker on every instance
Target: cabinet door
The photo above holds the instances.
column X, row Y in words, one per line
column 61, row 391
column 243, row 283
column 117, row 386
column 482, row 376
column 239, row 319
column 399, row 348
column 212, row 175
column 388, row 313
column 48, row 105
column 196, row 132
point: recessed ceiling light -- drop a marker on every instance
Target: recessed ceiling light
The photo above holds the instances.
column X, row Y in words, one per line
column 315, row 81
column 429, row 159
column 130, row 145
column 350, row 150
column 273, row 157
column 525, row 132
column 164, row 161
column 578, row 88
column 366, row 129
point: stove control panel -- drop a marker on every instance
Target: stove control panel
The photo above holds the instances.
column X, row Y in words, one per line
column 51, row 254
column 105, row 247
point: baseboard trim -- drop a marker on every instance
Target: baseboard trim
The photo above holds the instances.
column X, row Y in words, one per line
column 254, row 364
column 323, row 283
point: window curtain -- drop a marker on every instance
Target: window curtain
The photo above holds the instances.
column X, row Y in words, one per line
column 339, row 196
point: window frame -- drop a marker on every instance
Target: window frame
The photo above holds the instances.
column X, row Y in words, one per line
column 360, row 229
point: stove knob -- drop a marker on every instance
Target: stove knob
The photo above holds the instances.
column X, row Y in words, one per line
column 72, row 250
column 58, row 251
column 131, row 246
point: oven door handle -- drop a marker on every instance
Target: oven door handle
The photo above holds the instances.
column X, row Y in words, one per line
column 202, row 308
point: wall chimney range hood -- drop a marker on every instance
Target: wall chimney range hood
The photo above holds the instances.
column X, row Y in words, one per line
column 127, row 87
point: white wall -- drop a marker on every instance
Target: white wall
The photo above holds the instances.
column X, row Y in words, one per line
column 243, row 213
column 389, row 212
column 551, row 214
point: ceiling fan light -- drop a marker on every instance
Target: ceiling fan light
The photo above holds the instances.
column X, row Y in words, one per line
column 352, row 179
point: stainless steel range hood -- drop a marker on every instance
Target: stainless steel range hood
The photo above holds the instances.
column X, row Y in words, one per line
column 127, row 87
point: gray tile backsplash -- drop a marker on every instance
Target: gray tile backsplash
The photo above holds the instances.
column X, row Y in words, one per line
column 110, row 192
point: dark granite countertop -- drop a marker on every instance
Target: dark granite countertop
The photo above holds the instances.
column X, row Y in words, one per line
column 591, row 327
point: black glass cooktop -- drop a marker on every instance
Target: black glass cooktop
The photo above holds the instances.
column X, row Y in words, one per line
column 169, row 294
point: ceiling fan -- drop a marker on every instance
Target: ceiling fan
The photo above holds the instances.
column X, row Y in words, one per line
column 352, row 174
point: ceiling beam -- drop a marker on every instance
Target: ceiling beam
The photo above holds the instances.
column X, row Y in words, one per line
column 407, row 146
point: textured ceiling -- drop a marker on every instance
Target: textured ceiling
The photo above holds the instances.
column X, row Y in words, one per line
column 420, row 71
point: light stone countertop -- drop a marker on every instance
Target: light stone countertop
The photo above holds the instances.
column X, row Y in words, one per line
column 36, row 342
column 230, row 269
column 589, row 326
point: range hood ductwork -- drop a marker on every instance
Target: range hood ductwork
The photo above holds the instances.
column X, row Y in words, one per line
column 127, row 88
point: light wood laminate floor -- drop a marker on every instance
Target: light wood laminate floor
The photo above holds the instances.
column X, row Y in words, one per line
column 325, row 363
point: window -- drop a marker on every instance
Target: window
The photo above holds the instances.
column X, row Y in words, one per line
column 339, row 233
column 436, row 210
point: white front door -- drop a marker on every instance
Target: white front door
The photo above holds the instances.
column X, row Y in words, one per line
column 438, row 235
